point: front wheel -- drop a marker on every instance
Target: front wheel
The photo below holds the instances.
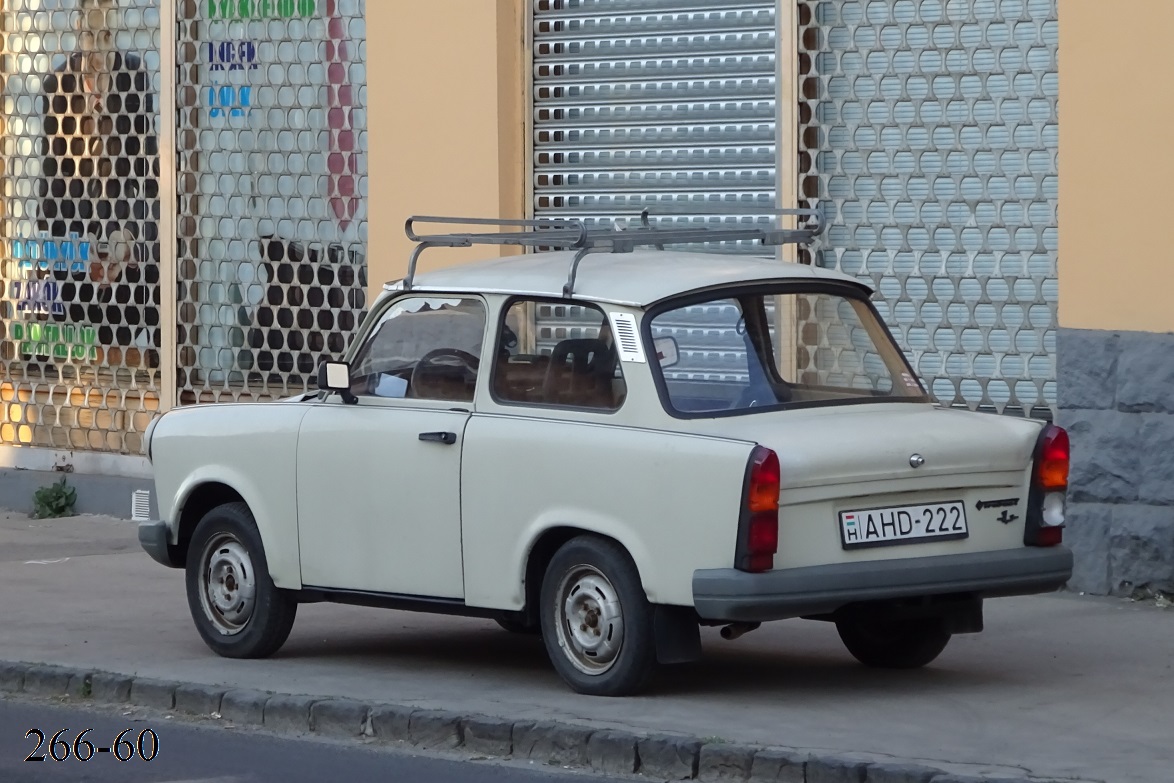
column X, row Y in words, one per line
column 596, row 619
column 893, row 644
column 237, row 609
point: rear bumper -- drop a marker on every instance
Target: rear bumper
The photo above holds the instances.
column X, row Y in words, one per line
column 731, row 595
column 155, row 539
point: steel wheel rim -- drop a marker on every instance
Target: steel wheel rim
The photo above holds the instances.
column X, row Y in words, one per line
column 590, row 620
column 228, row 584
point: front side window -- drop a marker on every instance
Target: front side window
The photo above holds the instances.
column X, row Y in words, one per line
column 767, row 350
column 557, row 354
column 423, row 348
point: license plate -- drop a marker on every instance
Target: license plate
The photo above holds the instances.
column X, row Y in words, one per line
column 903, row 525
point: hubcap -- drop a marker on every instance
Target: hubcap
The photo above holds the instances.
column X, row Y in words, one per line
column 228, row 588
column 590, row 620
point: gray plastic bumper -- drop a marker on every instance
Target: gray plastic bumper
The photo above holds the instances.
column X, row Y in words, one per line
column 155, row 539
column 728, row 594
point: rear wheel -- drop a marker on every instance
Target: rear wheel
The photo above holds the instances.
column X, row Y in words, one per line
column 893, row 644
column 596, row 619
column 237, row 609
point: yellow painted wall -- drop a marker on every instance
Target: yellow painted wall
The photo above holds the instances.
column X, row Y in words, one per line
column 446, row 101
column 1116, row 218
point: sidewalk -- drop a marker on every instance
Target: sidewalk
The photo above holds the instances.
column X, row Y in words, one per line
column 1057, row 686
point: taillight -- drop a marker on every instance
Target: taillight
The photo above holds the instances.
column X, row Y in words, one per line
column 1049, row 488
column 758, row 524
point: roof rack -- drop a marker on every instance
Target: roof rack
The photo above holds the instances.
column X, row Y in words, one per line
column 569, row 234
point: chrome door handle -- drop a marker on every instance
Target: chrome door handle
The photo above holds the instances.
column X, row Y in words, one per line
column 447, row 438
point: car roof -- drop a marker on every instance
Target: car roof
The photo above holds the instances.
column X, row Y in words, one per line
column 637, row 279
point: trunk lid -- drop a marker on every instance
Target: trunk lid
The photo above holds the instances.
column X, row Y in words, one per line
column 832, row 446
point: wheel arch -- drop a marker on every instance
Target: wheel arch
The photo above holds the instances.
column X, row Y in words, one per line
column 676, row 629
column 195, row 505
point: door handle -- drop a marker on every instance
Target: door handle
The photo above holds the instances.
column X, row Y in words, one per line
column 447, row 438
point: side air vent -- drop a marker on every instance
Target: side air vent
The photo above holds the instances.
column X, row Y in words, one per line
column 627, row 338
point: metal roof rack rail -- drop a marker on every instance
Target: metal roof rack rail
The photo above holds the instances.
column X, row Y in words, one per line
column 573, row 234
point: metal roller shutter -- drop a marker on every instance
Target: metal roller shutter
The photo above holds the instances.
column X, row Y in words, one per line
column 651, row 103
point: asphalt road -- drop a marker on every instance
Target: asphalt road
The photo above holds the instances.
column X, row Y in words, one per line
column 1058, row 686
column 210, row 754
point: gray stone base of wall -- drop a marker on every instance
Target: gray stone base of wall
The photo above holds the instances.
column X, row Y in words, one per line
column 96, row 494
column 1116, row 399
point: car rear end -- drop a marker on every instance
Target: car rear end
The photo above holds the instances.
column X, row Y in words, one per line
column 862, row 498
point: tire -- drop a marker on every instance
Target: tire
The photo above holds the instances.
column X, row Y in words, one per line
column 600, row 653
column 225, row 566
column 516, row 626
column 894, row 644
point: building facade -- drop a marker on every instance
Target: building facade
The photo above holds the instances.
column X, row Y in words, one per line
column 205, row 238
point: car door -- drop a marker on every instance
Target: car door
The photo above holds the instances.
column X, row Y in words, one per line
column 378, row 478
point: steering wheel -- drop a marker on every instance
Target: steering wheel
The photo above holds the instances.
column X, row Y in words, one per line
column 449, row 359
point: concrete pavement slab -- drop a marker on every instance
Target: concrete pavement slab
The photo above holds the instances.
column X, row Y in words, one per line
column 1058, row 686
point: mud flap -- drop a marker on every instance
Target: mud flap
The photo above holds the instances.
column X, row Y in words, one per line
column 678, row 635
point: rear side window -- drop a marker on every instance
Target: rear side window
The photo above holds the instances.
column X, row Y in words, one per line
column 557, row 354
column 769, row 350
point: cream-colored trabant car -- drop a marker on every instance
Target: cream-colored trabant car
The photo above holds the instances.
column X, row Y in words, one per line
column 611, row 449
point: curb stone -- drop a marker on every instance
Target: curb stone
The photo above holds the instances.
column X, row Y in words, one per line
column 244, row 706
column 390, row 722
column 11, row 677
column 779, row 766
column 668, row 758
column 721, row 761
column 80, row 685
column 490, row 736
column 612, row 752
column 835, row 770
column 198, row 699
column 900, row 773
column 289, row 713
column 47, row 680
column 606, row 751
column 339, row 717
column 153, row 693
column 112, row 688
column 548, row 742
column 434, row 729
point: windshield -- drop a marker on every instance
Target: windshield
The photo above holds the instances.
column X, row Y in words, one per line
column 768, row 350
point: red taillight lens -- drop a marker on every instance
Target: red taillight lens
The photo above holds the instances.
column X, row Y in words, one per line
column 763, row 493
column 759, row 527
column 1049, row 488
column 1051, row 467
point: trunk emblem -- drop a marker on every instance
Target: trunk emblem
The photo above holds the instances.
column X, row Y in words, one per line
column 916, row 461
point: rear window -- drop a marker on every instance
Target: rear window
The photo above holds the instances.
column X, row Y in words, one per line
column 737, row 354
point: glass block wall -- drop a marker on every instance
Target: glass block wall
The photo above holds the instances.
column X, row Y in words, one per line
column 79, row 213
column 272, row 218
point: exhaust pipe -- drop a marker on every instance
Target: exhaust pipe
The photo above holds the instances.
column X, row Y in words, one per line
column 734, row 630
